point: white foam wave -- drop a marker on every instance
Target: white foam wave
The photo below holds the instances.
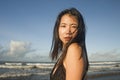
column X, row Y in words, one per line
column 41, row 65
column 100, row 68
column 13, row 74
column 14, row 64
column 105, row 62
column 27, row 65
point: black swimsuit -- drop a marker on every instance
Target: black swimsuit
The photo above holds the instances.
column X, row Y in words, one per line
column 59, row 73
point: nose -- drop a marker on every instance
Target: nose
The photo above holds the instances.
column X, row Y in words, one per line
column 68, row 30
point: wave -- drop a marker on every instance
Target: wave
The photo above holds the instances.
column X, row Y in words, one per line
column 18, row 69
column 49, row 65
column 29, row 69
column 104, row 62
column 13, row 64
column 41, row 65
column 6, row 75
column 26, row 65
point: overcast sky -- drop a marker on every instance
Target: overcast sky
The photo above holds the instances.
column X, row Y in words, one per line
column 26, row 28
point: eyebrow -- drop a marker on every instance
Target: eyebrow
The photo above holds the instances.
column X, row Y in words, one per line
column 62, row 23
column 74, row 24
column 70, row 24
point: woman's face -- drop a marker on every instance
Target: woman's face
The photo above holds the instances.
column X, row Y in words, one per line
column 67, row 28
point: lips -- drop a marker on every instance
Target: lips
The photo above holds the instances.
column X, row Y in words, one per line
column 67, row 38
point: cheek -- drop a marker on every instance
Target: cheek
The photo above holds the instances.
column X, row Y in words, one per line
column 61, row 31
column 75, row 34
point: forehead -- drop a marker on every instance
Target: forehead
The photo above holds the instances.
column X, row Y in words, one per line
column 68, row 17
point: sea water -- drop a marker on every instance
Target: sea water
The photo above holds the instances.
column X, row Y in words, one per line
column 41, row 70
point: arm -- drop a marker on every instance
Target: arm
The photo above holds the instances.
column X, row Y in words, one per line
column 74, row 63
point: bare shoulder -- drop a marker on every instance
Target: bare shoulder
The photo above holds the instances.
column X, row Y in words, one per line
column 74, row 46
column 74, row 53
column 74, row 50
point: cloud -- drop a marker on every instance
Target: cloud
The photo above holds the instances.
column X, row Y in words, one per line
column 16, row 50
column 1, row 47
column 37, row 57
column 112, row 55
column 21, row 51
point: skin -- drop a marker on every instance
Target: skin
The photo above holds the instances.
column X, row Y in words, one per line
column 74, row 61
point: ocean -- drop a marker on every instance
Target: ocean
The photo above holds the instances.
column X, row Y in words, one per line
column 107, row 70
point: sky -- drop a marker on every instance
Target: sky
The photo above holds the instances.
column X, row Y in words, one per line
column 26, row 28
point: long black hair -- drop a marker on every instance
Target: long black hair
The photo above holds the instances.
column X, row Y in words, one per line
column 80, row 38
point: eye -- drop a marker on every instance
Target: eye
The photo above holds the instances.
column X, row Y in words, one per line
column 74, row 26
column 62, row 26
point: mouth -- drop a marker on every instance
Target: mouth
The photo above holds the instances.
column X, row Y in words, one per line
column 67, row 38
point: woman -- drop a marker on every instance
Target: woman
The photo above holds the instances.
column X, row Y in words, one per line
column 68, row 47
